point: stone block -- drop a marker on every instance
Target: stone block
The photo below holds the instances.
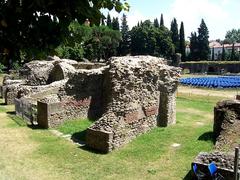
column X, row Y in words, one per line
column 152, row 110
column 42, row 115
column 167, row 109
column 99, row 140
column 44, row 111
column 18, row 107
column 131, row 117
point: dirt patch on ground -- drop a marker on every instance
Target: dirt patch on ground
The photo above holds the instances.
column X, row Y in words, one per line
column 197, row 112
column 208, row 92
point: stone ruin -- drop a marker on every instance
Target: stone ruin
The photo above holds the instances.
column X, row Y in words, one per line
column 126, row 97
column 226, row 134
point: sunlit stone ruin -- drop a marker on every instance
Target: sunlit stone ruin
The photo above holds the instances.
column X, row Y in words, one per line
column 226, row 134
column 125, row 97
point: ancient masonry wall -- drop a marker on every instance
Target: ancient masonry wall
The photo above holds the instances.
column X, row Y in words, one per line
column 226, row 123
column 127, row 97
column 81, row 97
column 224, row 163
column 27, row 97
column 226, row 133
column 141, row 94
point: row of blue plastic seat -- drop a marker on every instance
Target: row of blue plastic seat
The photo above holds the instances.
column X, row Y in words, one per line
column 213, row 82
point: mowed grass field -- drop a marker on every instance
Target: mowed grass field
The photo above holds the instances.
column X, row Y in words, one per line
column 39, row 154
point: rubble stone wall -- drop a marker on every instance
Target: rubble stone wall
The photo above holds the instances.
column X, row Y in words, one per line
column 226, row 124
column 81, row 97
column 127, row 97
column 223, row 161
column 141, row 94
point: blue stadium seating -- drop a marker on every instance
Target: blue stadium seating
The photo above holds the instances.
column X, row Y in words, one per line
column 213, row 82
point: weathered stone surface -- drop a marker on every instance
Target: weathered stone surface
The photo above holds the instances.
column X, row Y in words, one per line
column 226, row 124
column 61, row 71
column 130, row 95
column 134, row 86
column 99, row 140
column 37, row 72
column 223, row 161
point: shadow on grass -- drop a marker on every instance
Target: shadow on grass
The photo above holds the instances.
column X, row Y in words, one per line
column 18, row 120
column 189, row 176
column 79, row 137
column 11, row 113
column 85, row 148
column 33, row 127
column 207, row 136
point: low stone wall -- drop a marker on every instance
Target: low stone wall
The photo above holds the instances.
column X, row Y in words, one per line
column 27, row 97
column 226, row 124
column 226, row 133
column 211, row 67
column 127, row 97
column 81, row 97
column 224, row 163
column 141, row 94
column 26, row 108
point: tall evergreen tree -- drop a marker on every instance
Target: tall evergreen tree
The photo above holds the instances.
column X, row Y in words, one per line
column 223, row 54
column 109, row 21
column 193, row 47
column 155, row 23
column 175, row 35
column 203, row 43
column 102, row 22
column 138, row 24
column 115, row 24
column 161, row 20
column 182, row 45
column 124, row 47
column 213, row 54
column 233, row 55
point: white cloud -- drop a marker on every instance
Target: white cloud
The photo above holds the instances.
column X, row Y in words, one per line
column 192, row 11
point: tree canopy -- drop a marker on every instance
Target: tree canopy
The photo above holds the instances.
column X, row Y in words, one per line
column 199, row 44
column 124, row 47
column 93, row 43
column 233, row 36
column 203, row 43
column 146, row 39
column 39, row 25
column 182, row 44
column 175, row 35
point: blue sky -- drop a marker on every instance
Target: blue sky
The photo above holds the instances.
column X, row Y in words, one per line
column 219, row 15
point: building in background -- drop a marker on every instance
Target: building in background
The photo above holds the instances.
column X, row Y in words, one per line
column 217, row 49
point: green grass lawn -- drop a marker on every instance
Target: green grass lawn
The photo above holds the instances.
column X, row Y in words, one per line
column 149, row 156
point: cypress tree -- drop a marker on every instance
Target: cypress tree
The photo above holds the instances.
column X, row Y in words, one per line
column 138, row 24
column 223, row 54
column 193, row 47
column 109, row 21
column 102, row 22
column 175, row 35
column 213, row 54
column 155, row 23
column 115, row 24
column 182, row 45
column 203, row 43
column 233, row 55
column 161, row 20
column 124, row 47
